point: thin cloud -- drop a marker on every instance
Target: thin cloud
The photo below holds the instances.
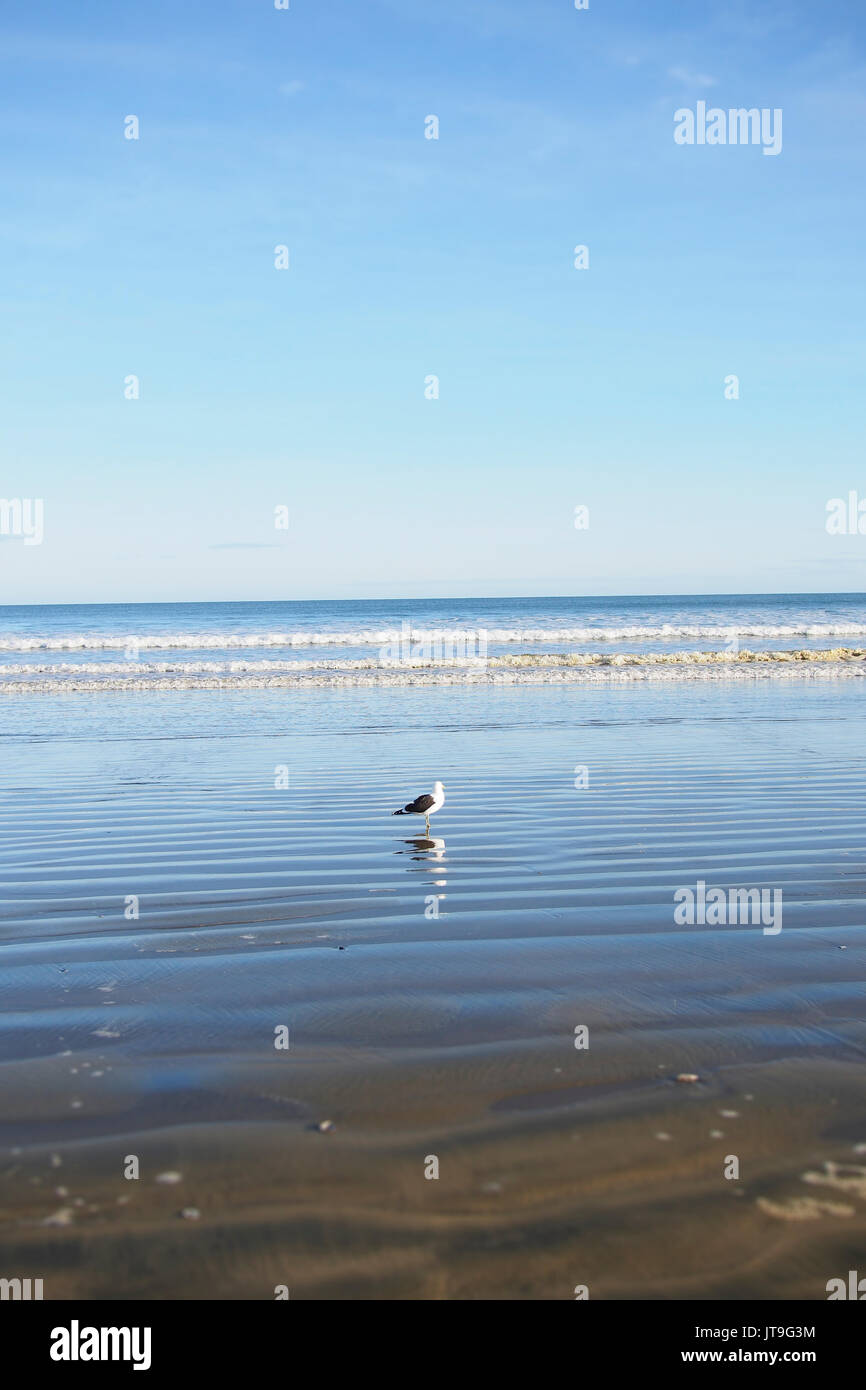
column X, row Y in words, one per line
column 690, row 78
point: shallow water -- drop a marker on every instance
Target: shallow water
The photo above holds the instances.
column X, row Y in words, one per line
column 431, row 990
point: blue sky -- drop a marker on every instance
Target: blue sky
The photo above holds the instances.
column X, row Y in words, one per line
column 411, row 257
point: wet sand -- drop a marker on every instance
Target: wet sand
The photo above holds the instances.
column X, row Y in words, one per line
column 420, row 1035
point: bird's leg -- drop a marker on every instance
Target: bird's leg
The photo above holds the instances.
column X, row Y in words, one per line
column 427, row 826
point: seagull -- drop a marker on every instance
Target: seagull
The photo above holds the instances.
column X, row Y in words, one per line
column 425, row 805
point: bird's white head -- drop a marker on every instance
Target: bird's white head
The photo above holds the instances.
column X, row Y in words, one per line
column 438, row 787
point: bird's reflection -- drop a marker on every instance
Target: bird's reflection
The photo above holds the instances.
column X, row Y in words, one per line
column 435, row 849
column 426, row 851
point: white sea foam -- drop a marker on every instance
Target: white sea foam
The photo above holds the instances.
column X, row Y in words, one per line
column 147, row 671
column 591, row 668
column 382, row 637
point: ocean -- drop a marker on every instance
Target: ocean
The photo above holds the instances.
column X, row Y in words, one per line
column 187, row 878
column 427, row 641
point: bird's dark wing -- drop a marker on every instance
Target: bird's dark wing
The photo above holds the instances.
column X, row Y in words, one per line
column 421, row 803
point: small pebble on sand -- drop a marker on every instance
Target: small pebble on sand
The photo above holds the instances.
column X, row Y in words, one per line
column 190, row 1213
column 169, row 1178
column 688, row 1077
column 325, row 1126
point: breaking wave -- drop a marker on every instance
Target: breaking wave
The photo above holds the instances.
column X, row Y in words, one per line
column 525, row 669
column 394, row 636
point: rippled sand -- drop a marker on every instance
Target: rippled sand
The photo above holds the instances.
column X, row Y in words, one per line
column 420, row 1035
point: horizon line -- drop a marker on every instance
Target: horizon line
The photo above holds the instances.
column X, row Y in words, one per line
column 449, row 598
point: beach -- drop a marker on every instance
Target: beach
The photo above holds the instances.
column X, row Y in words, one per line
column 226, row 959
